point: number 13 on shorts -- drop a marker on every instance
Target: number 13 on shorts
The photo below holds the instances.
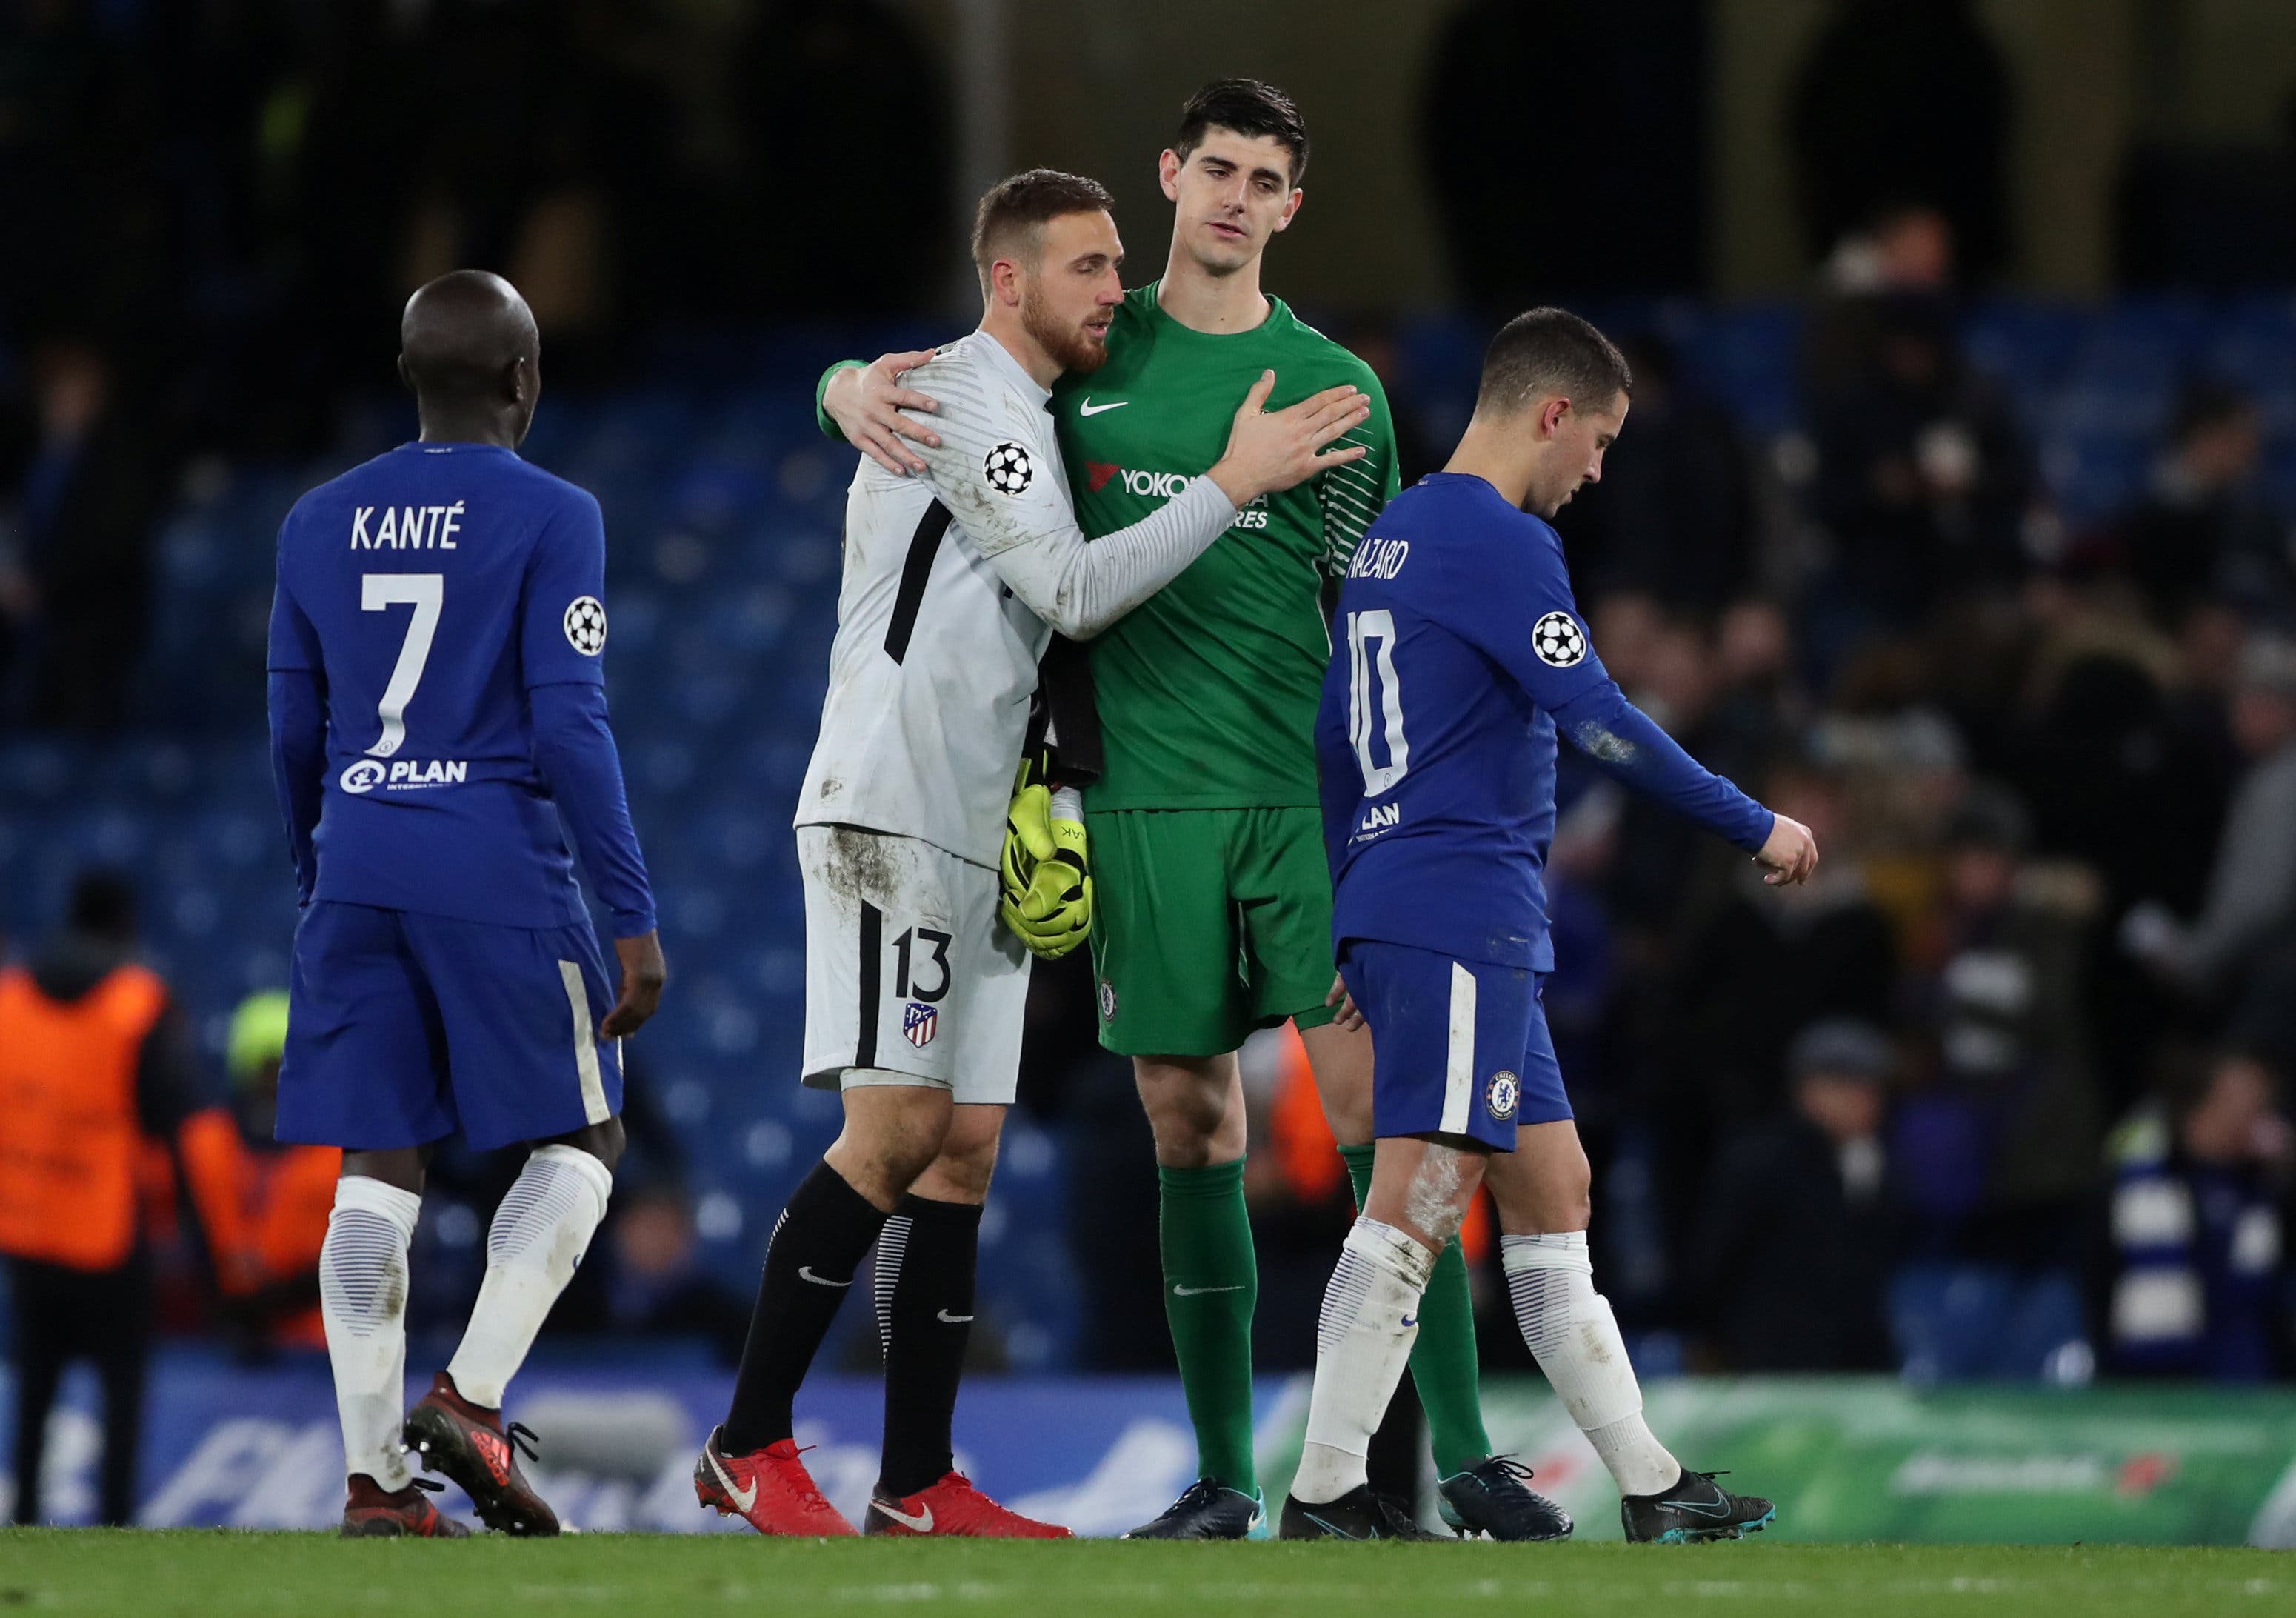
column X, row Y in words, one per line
column 909, row 978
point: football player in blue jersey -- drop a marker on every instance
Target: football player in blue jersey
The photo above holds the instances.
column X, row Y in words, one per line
column 439, row 736
column 1458, row 657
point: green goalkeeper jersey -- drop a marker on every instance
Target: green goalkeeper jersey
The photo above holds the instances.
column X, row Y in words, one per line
column 1208, row 694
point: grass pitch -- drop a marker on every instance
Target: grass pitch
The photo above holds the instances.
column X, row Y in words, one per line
column 148, row 1574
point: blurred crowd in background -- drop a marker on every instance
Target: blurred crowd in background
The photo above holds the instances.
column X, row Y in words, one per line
column 2003, row 1092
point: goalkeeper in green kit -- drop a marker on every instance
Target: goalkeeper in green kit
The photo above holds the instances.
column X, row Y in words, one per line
column 1209, row 900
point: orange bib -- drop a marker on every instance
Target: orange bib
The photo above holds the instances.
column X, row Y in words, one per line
column 69, row 1132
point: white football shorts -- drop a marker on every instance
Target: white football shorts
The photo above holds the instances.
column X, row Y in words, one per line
column 907, row 970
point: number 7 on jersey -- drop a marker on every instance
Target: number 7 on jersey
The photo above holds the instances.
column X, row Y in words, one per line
column 426, row 593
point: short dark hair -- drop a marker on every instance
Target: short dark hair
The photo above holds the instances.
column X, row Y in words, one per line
column 1015, row 211
column 101, row 905
column 1248, row 107
column 1548, row 351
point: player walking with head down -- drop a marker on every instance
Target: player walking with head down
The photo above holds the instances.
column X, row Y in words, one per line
column 438, row 732
column 1460, row 657
column 954, row 584
column 1213, row 901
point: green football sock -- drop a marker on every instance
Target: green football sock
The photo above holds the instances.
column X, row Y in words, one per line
column 1443, row 1366
column 1212, row 1281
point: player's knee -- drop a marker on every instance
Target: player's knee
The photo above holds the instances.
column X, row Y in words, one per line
column 893, row 1134
column 401, row 1167
column 1348, row 1112
column 962, row 1170
column 896, row 1161
column 1341, row 1062
column 1543, row 1193
column 1193, row 1111
column 603, row 1141
column 1575, row 1189
column 1563, row 1198
column 1191, row 1137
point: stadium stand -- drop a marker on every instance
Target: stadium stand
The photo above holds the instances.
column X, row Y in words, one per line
column 723, row 508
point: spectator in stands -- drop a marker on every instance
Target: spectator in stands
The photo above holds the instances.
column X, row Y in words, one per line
column 1762, row 710
column 2207, row 529
column 656, row 1285
column 1905, row 250
column 1673, row 678
column 1799, row 1225
column 1675, row 514
column 1710, row 1005
column 1763, row 965
column 2200, row 1283
column 264, row 1206
column 2245, row 926
column 1999, row 1146
column 1907, row 247
column 94, row 1059
column 1374, row 342
column 19, row 600
column 85, row 511
column 1922, row 476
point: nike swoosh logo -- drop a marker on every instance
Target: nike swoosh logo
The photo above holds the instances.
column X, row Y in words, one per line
column 920, row 1523
column 949, row 1319
column 1334, row 1530
column 1198, row 1292
column 1409, row 1321
column 1088, row 408
column 1722, row 1510
column 743, row 1499
column 804, row 1273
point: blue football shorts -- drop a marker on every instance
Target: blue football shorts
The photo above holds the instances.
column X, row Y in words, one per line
column 404, row 1027
column 1458, row 1048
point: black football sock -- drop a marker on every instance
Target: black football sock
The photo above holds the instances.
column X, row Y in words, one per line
column 926, row 1262
column 810, row 1260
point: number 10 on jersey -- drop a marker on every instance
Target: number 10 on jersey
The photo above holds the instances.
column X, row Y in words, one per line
column 1375, row 699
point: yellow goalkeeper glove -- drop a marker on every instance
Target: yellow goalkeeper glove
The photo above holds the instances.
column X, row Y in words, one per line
column 1045, row 877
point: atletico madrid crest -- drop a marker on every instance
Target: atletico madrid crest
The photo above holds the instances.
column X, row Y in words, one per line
column 919, row 1023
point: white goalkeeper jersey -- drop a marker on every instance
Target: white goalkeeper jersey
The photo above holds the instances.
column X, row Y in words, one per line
column 954, row 584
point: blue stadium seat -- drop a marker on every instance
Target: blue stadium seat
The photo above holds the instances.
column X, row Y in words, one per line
column 1971, row 1322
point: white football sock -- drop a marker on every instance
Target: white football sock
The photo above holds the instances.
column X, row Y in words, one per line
column 363, row 1300
column 1362, row 1342
column 539, row 1234
column 1574, row 1337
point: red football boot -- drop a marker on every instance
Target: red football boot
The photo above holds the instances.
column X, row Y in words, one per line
column 375, row 1512
column 470, row 1444
column 768, row 1489
column 952, row 1508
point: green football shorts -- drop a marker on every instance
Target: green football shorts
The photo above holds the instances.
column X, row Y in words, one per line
column 1208, row 924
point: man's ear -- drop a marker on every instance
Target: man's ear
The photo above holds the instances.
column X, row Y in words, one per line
column 1291, row 209
column 1168, row 173
column 1550, row 416
column 405, row 378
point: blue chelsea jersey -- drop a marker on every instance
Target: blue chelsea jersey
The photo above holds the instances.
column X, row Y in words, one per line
column 1457, row 652
column 430, row 590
